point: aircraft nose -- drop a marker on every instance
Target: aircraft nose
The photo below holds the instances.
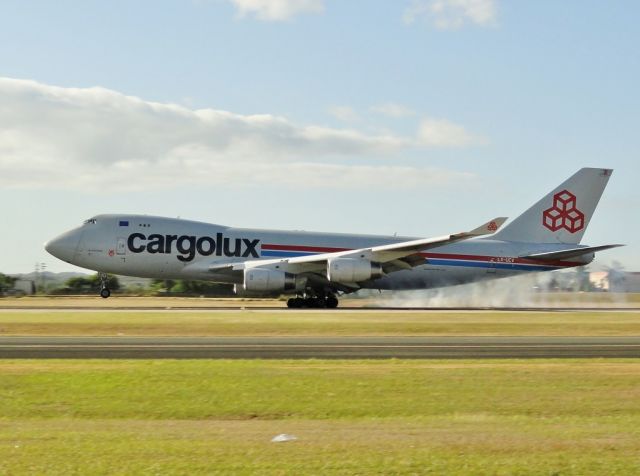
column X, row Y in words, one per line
column 64, row 246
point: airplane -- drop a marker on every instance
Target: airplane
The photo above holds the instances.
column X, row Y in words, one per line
column 315, row 268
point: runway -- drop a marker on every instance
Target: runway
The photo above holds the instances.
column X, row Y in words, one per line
column 317, row 347
column 271, row 309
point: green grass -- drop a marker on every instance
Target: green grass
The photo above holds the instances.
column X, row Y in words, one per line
column 318, row 323
column 351, row 417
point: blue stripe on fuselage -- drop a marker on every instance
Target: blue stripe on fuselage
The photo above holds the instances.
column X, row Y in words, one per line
column 485, row 264
column 433, row 261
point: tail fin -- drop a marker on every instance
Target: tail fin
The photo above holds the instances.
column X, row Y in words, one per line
column 563, row 215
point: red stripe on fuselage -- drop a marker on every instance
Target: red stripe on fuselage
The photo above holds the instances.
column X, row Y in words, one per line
column 498, row 259
column 310, row 249
column 490, row 259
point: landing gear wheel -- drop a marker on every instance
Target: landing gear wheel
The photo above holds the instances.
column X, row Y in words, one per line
column 314, row 302
column 331, row 302
column 104, row 290
column 295, row 303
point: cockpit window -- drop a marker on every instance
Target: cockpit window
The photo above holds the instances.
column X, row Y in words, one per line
column 90, row 221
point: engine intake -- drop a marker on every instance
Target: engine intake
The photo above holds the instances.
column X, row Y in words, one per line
column 353, row 270
column 260, row 279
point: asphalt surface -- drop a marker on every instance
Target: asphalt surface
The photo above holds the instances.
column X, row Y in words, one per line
column 342, row 309
column 317, row 347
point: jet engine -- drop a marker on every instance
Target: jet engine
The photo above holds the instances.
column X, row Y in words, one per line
column 261, row 279
column 353, row 270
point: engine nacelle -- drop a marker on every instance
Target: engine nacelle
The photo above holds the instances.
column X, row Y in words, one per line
column 353, row 270
column 261, row 279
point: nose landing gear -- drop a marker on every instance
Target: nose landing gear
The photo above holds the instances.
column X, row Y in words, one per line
column 105, row 292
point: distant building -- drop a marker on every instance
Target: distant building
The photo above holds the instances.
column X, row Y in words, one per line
column 624, row 282
column 616, row 281
column 23, row 286
column 599, row 280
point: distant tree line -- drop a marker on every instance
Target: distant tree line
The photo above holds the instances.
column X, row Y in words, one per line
column 182, row 287
column 174, row 287
column 86, row 285
column 6, row 283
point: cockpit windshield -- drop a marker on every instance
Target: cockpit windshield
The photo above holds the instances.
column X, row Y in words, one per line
column 90, row 221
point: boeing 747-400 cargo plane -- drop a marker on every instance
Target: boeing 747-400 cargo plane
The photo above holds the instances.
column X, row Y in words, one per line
column 316, row 267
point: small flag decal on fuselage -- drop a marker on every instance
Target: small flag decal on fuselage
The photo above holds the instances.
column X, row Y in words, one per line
column 124, row 222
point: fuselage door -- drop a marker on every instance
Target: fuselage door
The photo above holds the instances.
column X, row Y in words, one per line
column 121, row 248
column 491, row 265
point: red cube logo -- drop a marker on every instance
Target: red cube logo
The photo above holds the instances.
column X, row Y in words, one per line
column 564, row 213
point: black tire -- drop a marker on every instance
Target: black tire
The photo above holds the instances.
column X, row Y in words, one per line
column 332, row 302
column 105, row 293
column 319, row 303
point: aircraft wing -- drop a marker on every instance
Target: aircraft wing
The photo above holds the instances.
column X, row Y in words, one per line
column 393, row 257
column 567, row 254
column 386, row 253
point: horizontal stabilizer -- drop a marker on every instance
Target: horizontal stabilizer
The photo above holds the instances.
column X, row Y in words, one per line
column 567, row 254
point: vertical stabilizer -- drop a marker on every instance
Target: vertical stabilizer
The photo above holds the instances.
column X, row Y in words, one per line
column 563, row 215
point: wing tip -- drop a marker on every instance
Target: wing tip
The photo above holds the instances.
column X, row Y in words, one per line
column 489, row 227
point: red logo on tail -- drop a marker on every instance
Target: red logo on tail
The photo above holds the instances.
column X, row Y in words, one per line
column 492, row 226
column 563, row 213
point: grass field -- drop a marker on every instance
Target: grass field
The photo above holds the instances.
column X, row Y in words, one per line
column 503, row 417
column 168, row 316
column 350, row 417
column 317, row 323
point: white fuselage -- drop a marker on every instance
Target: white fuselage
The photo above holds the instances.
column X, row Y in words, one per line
column 166, row 248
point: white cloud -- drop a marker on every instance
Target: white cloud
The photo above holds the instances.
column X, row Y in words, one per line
column 277, row 10
column 91, row 138
column 443, row 133
column 392, row 109
column 344, row 113
column 452, row 14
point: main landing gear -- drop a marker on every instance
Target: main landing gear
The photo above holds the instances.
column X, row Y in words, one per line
column 105, row 292
column 314, row 302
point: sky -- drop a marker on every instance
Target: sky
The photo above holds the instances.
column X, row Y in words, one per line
column 415, row 117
